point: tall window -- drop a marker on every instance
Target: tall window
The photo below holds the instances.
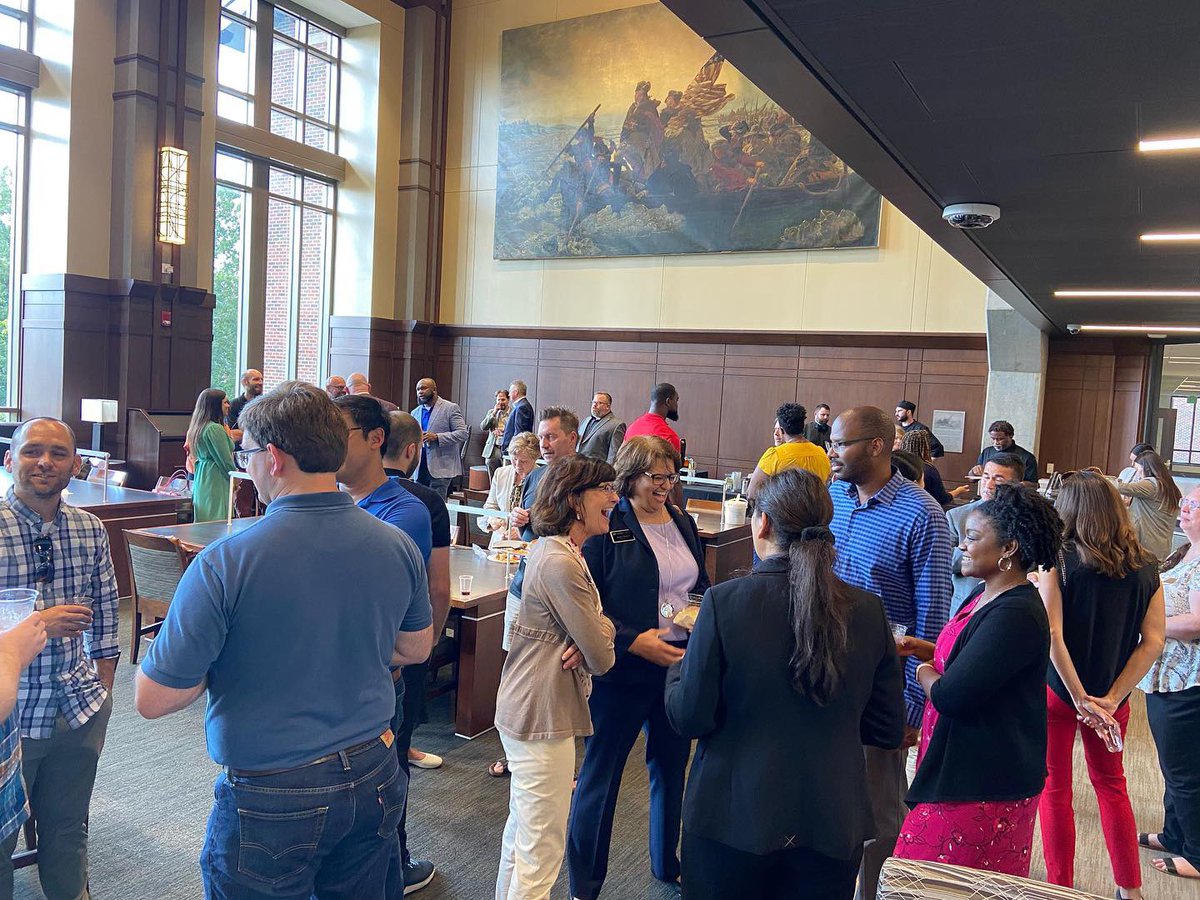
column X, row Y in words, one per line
column 13, row 131
column 230, row 260
column 1187, row 429
column 278, row 72
column 235, row 61
column 304, row 81
column 14, row 24
column 299, row 248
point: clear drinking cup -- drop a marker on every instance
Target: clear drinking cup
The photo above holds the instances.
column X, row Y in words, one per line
column 464, row 585
column 899, row 631
column 15, row 605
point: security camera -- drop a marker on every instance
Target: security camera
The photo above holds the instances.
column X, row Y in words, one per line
column 1074, row 329
column 971, row 215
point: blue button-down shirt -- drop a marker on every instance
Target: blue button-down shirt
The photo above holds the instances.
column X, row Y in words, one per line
column 62, row 678
column 897, row 545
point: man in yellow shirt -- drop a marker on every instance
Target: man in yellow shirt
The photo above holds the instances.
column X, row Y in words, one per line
column 796, row 451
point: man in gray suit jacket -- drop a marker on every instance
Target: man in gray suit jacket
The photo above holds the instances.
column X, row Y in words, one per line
column 600, row 434
column 443, row 434
column 1004, row 468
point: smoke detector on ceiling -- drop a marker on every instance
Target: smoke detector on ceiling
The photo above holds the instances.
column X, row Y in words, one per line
column 971, row 215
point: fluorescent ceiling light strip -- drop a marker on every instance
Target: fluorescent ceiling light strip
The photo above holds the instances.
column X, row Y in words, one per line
column 1163, row 144
column 1124, row 293
column 1164, row 329
column 1169, row 236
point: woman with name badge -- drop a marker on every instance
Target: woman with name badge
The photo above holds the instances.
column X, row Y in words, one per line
column 644, row 569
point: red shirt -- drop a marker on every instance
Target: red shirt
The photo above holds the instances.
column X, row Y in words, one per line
column 655, row 425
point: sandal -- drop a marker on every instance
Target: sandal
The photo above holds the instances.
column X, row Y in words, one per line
column 1169, row 868
column 1144, row 841
column 499, row 769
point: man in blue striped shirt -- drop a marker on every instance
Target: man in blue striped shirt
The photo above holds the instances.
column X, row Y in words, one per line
column 892, row 540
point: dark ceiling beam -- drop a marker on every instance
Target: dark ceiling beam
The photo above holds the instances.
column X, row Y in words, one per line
column 751, row 37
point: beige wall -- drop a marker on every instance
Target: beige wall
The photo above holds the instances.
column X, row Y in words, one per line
column 907, row 284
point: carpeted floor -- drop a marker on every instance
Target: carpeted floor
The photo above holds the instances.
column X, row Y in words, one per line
column 154, row 790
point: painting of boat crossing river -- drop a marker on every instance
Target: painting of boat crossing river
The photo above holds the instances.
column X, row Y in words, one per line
column 624, row 134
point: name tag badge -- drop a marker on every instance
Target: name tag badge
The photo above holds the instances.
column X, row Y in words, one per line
column 622, row 536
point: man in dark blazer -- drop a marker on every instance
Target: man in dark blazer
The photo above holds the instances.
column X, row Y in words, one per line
column 601, row 435
column 520, row 418
column 443, row 433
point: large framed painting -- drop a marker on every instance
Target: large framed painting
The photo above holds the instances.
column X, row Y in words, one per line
column 624, row 134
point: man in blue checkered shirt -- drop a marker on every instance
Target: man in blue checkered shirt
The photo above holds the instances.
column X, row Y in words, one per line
column 892, row 540
column 65, row 696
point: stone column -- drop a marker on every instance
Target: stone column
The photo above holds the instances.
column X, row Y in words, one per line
column 1016, row 372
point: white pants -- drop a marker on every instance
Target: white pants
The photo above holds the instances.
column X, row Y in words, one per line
column 539, row 800
column 512, row 606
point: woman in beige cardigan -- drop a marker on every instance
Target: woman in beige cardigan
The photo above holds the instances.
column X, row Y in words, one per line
column 557, row 642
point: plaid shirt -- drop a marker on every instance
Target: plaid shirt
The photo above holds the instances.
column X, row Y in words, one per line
column 14, row 807
column 62, row 679
column 897, row 546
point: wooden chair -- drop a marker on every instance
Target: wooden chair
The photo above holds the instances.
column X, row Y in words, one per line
column 155, row 565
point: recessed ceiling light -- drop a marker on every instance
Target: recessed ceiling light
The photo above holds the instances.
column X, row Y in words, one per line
column 1124, row 293
column 1148, row 329
column 1172, row 236
column 1164, row 144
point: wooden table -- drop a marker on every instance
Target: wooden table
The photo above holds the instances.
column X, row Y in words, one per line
column 476, row 623
column 728, row 549
column 122, row 508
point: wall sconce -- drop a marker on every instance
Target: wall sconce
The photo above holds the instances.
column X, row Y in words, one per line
column 172, row 195
column 98, row 412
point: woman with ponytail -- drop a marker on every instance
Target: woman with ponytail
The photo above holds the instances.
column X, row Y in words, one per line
column 788, row 674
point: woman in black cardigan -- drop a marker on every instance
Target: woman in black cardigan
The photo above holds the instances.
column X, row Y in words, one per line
column 982, row 760
column 644, row 568
column 788, row 673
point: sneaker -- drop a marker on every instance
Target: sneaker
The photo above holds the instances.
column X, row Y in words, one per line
column 417, row 874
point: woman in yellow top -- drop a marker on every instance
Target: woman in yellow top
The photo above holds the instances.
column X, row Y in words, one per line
column 796, row 451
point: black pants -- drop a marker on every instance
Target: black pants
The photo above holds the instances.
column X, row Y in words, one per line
column 716, row 871
column 410, row 712
column 1175, row 723
column 619, row 712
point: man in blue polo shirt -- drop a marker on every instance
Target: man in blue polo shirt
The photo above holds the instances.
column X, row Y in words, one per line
column 281, row 623
column 893, row 541
column 363, row 477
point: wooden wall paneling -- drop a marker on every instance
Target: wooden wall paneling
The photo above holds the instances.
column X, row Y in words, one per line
column 757, row 380
column 1130, row 378
column 626, row 370
column 697, row 371
column 566, row 373
column 845, row 377
column 955, row 380
column 493, row 363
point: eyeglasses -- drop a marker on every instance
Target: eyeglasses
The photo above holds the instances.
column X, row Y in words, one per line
column 242, row 457
column 608, row 487
column 43, row 548
column 660, row 480
column 839, row 446
column 1189, row 505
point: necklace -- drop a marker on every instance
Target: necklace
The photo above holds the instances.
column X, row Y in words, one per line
column 665, row 609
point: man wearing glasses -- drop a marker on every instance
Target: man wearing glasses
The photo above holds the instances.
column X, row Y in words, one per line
column 65, row 696
column 893, row 541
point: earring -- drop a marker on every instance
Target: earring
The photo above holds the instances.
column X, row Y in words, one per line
column 1003, row 560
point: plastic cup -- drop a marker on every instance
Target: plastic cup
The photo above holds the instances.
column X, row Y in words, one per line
column 464, row 585
column 899, row 631
column 15, row 605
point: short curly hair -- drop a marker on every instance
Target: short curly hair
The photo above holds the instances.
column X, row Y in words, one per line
column 917, row 443
column 791, row 418
column 638, row 455
column 524, row 442
column 1019, row 513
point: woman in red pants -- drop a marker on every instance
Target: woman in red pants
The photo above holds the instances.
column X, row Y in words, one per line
column 1107, row 624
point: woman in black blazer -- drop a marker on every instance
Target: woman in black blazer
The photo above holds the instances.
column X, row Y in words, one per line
column 644, row 568
column 981, row 765
column 788, row 673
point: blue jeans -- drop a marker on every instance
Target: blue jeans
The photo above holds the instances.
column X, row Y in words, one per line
column 326, row 830
column 439, row 485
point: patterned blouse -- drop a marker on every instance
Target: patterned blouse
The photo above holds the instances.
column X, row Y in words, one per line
column 1179, row 666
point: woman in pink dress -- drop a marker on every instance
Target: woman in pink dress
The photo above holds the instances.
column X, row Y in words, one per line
column 981, row 763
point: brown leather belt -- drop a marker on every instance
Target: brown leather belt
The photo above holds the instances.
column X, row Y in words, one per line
column 387, row 738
